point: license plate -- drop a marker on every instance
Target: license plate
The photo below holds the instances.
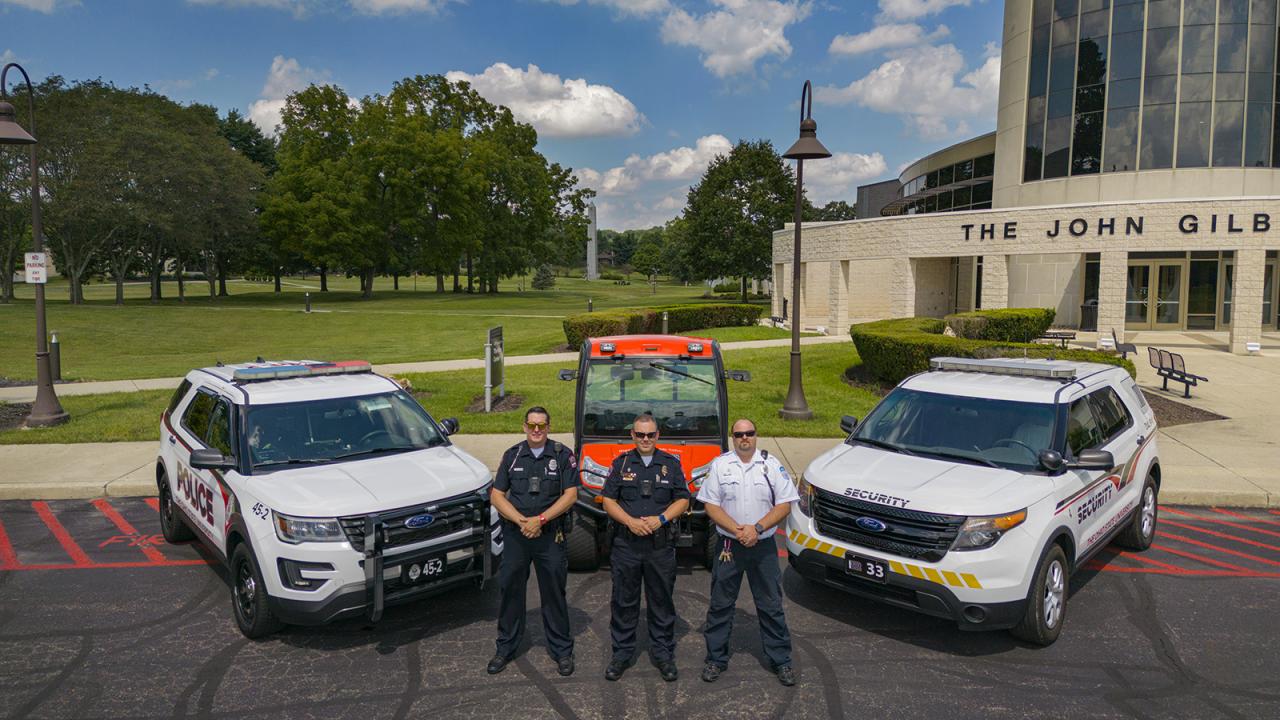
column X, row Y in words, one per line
column 867, row 568
column 423, row 570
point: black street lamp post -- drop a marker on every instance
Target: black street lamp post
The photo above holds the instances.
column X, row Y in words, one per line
column 806, row 148
column 46, row 410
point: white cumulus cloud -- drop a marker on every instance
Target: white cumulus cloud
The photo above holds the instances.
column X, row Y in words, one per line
column 625, row 7
column 396, row 7
column 44, row 6
column 286, row 76
column 885, row 37
column 911, row 9
column 739, row 33
column 297, row 7
column 929, row 86
column 556, row 107
column 838, row 177
column 682, row 163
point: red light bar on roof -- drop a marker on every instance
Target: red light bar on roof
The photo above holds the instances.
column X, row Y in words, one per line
column 283, row 370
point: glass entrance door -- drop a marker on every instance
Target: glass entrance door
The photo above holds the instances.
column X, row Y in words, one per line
column 1155, row 298
column 1137, row 296
column 1269, row 300
column 1168, row 306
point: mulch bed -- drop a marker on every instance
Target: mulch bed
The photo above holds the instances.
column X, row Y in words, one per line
column 9, row 382
column 12, row 415
column 508, row 403
column 1171, row 412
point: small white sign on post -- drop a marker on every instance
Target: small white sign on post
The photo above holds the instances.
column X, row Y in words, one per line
column 36, row 272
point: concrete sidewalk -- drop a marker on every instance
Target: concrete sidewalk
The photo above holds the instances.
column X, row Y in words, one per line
column 52, row 472
column 27, row 393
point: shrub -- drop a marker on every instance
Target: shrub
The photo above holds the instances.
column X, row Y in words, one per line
column 892, row 350
column 544, row 278
column 610, row 275
column 637, row 321
column 728, row 287
column 1007, row 324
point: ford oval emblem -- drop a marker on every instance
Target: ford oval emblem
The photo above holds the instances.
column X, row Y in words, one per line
column 871, row 524
column 419, row 521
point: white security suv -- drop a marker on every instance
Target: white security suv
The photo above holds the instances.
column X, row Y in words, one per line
column 327, row 489
column 973, row 491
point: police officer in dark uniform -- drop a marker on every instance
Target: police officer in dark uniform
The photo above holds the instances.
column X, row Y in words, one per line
column 644, row 495
column 536, row 485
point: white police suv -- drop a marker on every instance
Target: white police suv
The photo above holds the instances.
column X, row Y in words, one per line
column 973, row 491
column 326, row 488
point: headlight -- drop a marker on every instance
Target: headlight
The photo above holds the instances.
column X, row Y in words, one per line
column 983, row 532
column 806, row 496
column 593, row 473
column 699, row 474
column 299, row 530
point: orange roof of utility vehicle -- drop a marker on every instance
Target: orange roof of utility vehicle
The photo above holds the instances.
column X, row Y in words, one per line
column 658, row 345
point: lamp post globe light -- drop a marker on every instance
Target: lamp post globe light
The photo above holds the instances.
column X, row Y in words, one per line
column 806, row 148
column 46, row 410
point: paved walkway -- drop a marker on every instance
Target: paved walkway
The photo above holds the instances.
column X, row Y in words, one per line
column 27, row 393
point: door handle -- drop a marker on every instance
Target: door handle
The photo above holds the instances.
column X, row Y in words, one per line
column 173, row 440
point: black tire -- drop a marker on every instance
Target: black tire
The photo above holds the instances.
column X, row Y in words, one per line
column 581, row 546
column 1142, row 529
column 172, row 525
column 249, row 596
column 1046, row 611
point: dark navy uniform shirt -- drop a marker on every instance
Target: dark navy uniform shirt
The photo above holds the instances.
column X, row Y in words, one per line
column 533, row 484
column 645, row 491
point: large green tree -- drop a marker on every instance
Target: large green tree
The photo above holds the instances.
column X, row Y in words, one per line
column 732, row 212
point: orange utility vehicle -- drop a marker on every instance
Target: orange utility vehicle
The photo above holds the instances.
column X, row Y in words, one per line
column 678, row 380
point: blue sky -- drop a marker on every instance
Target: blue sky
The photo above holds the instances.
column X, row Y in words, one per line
column 636, row 95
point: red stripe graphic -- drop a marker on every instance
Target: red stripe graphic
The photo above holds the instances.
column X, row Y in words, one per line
column 1245, row 517
column 1238, row 526
column 1201, row 558
column 1224, row 536
column 1209, row 546
column 8, row 558
column 116, row 565
column 64, row 538
column 127, row 528
column 1189, row 573
column 154, row 503
column 1156, row 563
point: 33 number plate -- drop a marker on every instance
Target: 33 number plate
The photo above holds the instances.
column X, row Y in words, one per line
column 866, row 567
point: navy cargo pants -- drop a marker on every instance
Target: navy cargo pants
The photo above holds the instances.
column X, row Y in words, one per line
column 552, row 567
column 760, row 564
column 649, row 561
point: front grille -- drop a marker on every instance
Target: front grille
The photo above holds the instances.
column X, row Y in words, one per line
column 908, row 533
column 450, row 516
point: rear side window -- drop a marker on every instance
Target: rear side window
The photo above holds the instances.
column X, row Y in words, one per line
column 178, row 394
column 196, row 418
column 1113, row 417
column 1082, row 428
column 220, row 429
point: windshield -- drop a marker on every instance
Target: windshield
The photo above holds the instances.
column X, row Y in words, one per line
column 319, row 431
column 1001, row 433
column 683, row 396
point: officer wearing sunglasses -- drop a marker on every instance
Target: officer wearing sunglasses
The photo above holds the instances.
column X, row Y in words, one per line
column 536, row 485
column 747, row 494
column 644, row 495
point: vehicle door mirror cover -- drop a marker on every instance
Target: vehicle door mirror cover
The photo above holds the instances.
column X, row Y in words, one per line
column 739, row 375
column 211, row 459
column 449, row 426
column 568, row 374
column 848, row 423
column 1051, row 460
column 1093, row 460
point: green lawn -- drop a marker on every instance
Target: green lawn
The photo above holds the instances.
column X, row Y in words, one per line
column 102, row 341
column 133, row 416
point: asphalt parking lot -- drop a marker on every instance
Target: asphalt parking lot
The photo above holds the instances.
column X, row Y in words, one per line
column 100, row 619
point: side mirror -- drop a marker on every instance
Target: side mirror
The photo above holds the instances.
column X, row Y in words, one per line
column 739, row 375
column 1093, row 460
column 211, row 459
column 848, row 423
column 1051, row 460
column 449, row 425
column 568, row 375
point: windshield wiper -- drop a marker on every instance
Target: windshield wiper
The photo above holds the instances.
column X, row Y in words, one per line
column 375, row 451
column 963, row 458
column 291, row 461
column 884, row 445
column 661, row 366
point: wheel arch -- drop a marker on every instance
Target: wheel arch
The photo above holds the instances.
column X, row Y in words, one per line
column 1063, row 537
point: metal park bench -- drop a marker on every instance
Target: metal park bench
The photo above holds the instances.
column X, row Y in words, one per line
column 1058, row 336
column 1171, row 366
column 1123, row 348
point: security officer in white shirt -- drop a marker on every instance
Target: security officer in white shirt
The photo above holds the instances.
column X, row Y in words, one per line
column 747, row 494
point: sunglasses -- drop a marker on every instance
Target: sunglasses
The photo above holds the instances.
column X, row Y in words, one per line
column 645, row 436
column 537, row 427
column 739, row 434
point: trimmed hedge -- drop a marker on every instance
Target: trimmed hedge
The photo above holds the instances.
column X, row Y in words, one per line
column 1006, row 324
column 638, row 321
column 893, row 350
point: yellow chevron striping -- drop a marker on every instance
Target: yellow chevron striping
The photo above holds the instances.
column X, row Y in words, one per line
column 933, row 575
column 945, row 577
column 915, row 572
column 824, row 548
column 952, row 578
column 812, row 543
column 897, row 567
column 971, row 581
